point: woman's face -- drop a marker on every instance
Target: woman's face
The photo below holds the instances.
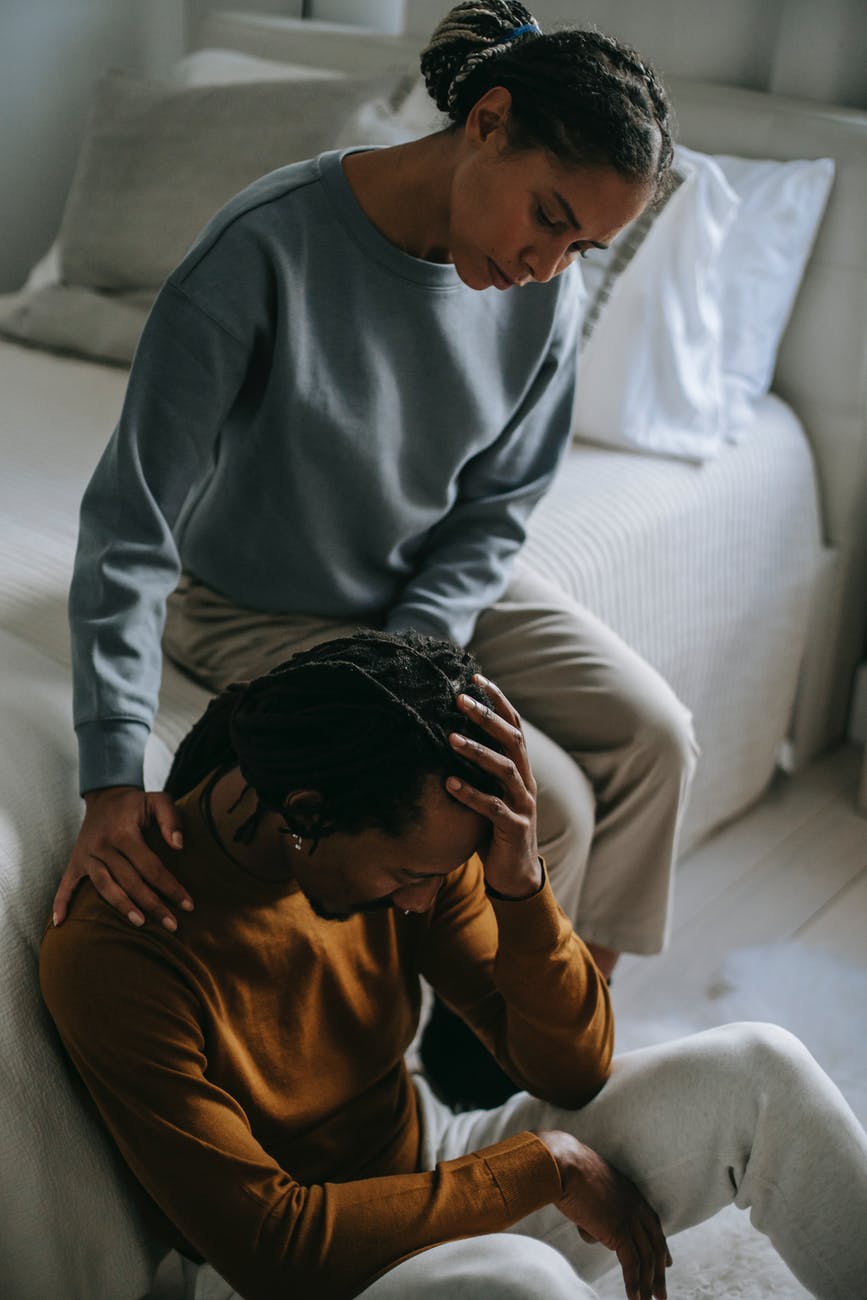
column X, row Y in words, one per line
column 521, row 217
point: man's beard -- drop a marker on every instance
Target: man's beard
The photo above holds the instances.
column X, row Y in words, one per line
column 325, row 914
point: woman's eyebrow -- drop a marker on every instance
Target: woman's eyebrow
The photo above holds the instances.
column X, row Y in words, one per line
column 573, row 220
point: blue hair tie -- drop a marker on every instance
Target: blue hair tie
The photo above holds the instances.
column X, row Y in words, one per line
column 521, row 31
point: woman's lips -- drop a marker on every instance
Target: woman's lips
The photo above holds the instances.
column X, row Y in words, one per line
column 498, row 279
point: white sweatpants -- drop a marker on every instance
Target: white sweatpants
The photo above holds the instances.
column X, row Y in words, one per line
column 739, row 1114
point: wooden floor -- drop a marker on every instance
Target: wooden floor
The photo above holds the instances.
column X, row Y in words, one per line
column 795, row 865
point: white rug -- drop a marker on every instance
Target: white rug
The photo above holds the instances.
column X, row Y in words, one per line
column 824, row 1002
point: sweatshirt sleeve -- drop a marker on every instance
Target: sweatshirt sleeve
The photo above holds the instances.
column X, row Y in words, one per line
column 137, row 1040
column 466, row 564
column 521, row 978
column 187, row 373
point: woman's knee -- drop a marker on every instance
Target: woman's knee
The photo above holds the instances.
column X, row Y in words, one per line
column 666, row 734
column 566, row 817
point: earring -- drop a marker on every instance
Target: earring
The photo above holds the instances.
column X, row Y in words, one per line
column 296, row 842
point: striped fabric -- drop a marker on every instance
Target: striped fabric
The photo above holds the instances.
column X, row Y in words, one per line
column 707, row 571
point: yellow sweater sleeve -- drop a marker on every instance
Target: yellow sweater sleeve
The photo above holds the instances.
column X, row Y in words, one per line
column 136, row 1038
column 518, row 974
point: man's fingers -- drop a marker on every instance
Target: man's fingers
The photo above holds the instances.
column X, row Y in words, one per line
column 499, row 765
column 504, row 707
column 507, row 733
column 499, row 814
column 647, row 1274
column 658, row 1247
column 627, row 1257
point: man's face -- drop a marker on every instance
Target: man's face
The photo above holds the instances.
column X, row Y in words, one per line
column 369, row 871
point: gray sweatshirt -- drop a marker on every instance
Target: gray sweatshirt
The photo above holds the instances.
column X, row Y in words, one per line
column 315, row 422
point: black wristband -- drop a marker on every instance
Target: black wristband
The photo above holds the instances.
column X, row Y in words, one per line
column 511, row 898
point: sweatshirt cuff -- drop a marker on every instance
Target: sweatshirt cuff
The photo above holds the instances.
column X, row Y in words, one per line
column 525, row 1172
column 530, row 924
column 407, row 619
column 111, row 753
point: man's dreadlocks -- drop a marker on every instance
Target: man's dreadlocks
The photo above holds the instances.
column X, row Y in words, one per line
column 363, row 720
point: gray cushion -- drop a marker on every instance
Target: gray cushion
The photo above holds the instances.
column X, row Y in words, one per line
column 157, row 162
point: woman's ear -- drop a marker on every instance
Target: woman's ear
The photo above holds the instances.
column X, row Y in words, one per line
column 489, row 115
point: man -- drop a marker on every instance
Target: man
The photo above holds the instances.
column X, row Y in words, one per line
column 361, row 816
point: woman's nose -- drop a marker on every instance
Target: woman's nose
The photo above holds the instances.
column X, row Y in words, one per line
column 417, row 898
column 545, row 262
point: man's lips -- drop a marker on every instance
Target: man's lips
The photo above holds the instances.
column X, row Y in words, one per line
column 498, row 278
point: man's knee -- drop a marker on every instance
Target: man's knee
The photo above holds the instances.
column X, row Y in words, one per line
column 502, row 1266
column 771, row 1054
column 536, row 1271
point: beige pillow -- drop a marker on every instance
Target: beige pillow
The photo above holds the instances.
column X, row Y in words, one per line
column 158, row 161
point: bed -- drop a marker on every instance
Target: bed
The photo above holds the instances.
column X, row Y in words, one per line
column 740, row 575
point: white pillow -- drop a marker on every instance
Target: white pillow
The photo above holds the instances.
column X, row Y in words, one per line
column 214, row 67
column 763, row 261
column 649, row 375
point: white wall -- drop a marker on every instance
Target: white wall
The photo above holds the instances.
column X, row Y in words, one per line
column 811, row 49
column 50, row 52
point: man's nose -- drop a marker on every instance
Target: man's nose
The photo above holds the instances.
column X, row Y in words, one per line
column 417, row 898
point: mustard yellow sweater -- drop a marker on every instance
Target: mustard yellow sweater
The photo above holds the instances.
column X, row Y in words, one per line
column 250, row 1067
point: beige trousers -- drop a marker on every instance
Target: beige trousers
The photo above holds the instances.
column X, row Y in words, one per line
column 611, row 746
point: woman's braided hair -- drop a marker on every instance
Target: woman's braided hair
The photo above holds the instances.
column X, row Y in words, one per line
column 583, row 96
column 363, row 720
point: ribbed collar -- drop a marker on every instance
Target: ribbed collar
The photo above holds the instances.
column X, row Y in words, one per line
column 433, row 275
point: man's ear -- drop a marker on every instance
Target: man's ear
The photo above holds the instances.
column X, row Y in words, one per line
column 303, row 811
column 489, row 115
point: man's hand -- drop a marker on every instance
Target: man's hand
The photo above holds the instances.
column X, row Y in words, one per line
column 606, row 1207
column 112, row 851
column 512, row 859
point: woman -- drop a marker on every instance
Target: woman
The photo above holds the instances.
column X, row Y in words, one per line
column 342, row 412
